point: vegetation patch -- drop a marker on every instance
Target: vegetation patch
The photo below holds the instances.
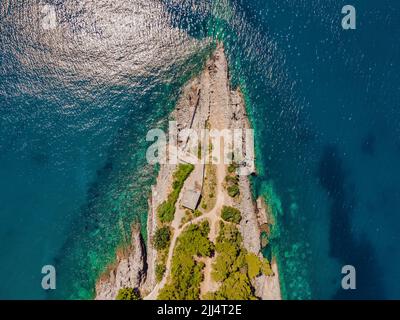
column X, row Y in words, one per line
column 257, row 266
column 190, row 215
column 197, row 213
column 186, row 273
column 162, row 238
column 166, row 210
column 234, row 267
column 199, row 146
column 209, row 195
column 209, row 198
column 128, row 294
column 160, row 270
column 232, row 168
column 231, row 214
column 232, row 181
column 162, row 256
column 187, row 217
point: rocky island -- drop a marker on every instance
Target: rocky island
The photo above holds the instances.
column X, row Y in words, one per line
column 204, row 227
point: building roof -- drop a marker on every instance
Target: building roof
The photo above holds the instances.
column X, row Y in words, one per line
column 190, row 199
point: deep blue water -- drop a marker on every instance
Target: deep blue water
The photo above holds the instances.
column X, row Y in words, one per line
column 77, row 100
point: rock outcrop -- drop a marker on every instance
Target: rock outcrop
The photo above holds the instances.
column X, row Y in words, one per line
column 129, row 270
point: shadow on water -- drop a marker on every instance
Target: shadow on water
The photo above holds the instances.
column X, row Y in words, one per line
column 344, row 246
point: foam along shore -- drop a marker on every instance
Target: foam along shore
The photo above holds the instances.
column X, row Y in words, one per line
column 206, row 101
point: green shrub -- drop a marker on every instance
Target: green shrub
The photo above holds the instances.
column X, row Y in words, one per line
column 230, row 257
column 233, row 190
column 186, row 272
column 254, row 265
column 266, row 268
column 222, row 266
column 232, row 168
column 160, row 270
column 197, row 213
column 166, row 210
column 208, row 199
column 183, row 172
column 175, row 184
column 208, row 296
column 162, row 238
column 236, row 287
column 232, row 184
column 231, row 267
column 232, row 179
column 128, row 294
column 199, row 147
column 231, row 214
column 228, row 233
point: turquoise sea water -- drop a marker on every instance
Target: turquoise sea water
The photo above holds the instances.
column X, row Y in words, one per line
column 76, row 102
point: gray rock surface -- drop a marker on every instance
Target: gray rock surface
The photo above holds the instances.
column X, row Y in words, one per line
column 129, row 270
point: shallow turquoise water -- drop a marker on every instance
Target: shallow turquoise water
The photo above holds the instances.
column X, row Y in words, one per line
column 77, row 101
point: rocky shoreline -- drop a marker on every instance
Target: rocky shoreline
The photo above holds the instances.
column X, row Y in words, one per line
column 129, row 270
column 209, row 92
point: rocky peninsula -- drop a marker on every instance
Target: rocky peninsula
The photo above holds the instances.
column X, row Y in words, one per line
column 199, row 210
